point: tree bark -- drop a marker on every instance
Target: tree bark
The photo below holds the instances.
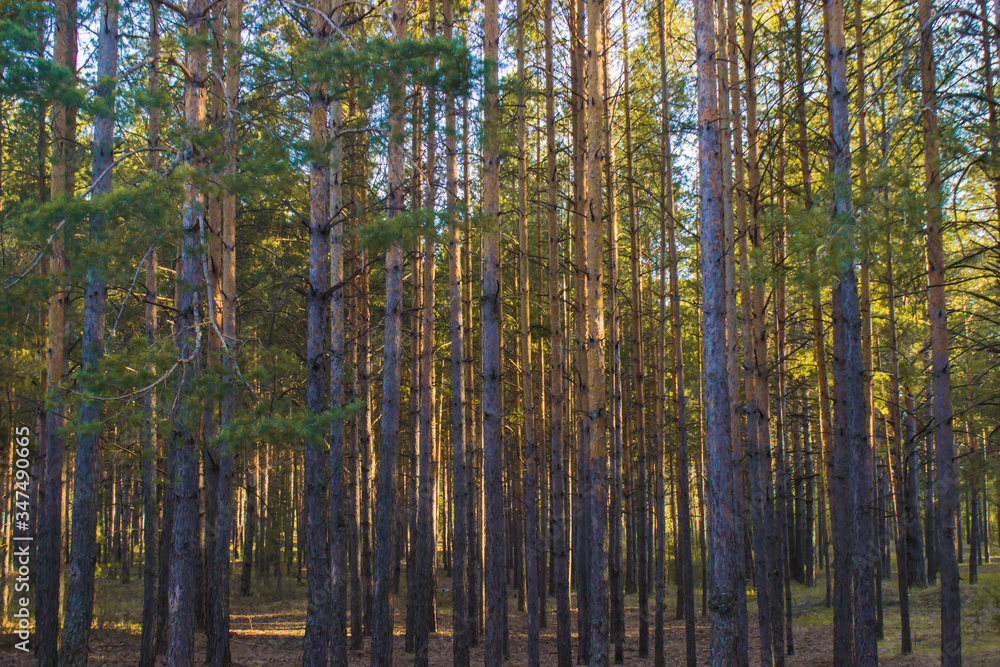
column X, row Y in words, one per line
column 151, row 514
column 532, row 458
column 492, row 434
column 724, row 540
column 944, row 444
column 385, row 525
column 339, row 518
column 184, row 539
column 80, row 591
column 686, row 584
column 49, row 522
column 560, row 556
column 638, row 359
column 459, row 445
column 596, row 495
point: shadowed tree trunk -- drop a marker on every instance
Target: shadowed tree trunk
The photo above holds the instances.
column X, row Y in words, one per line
column 638, row 360
column 900, row 465
column 50, row 493
column 316, row 477
column 224, row 515
column 459, row 443
column 724, row 539
column 151, row 516
column 560, row 557
column 944, row 444
column 80, row 591
column 385, row 524
column 184, row 538
column 492, row 428
column 532, row 459
column 339, row 519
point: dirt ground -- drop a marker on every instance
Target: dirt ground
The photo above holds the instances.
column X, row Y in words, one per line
column 267, row 627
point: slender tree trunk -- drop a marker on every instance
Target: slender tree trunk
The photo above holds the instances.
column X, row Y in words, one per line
column 854, row 472
column 951, row 619
column 317, row 482
column 686, row 584
column 755, row 367
column 617, row 592
column 492, row 434
column 724, row 540
column 900, row 465
column 638, row 359
column 459, row 445
column 184, row 539
column 80, row 591
column 382, row 605
column 560, row 556
column 150, row 509
column 659, row 394
column 424, row 562
column 596, row 493
column 49, row 577
column 524, row 322
column 339, row 527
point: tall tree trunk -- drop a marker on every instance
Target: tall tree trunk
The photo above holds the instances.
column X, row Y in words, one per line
column 492, row 428
column 317, row 484
column 459, row 442
column 951, row 618
column 80, row 591
column 49, row 577
column 596, row 494
column 854, row 474
column 560, row 557
column 739, row 192
column 151, row 516
column 617, row 592
column 729, row 129
column 184, row 538
column 364, row 394
column 524, row 322
column 899, row 465
column 638, row 359
column 686, row 584
column 382, row 605
column 660, row 352
column 424, row 563
column 578, row 63
column 339, row 518
column 724, row 539
column 756, row 366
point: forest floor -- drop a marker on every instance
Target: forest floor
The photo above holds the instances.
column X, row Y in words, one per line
column 267, row 627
